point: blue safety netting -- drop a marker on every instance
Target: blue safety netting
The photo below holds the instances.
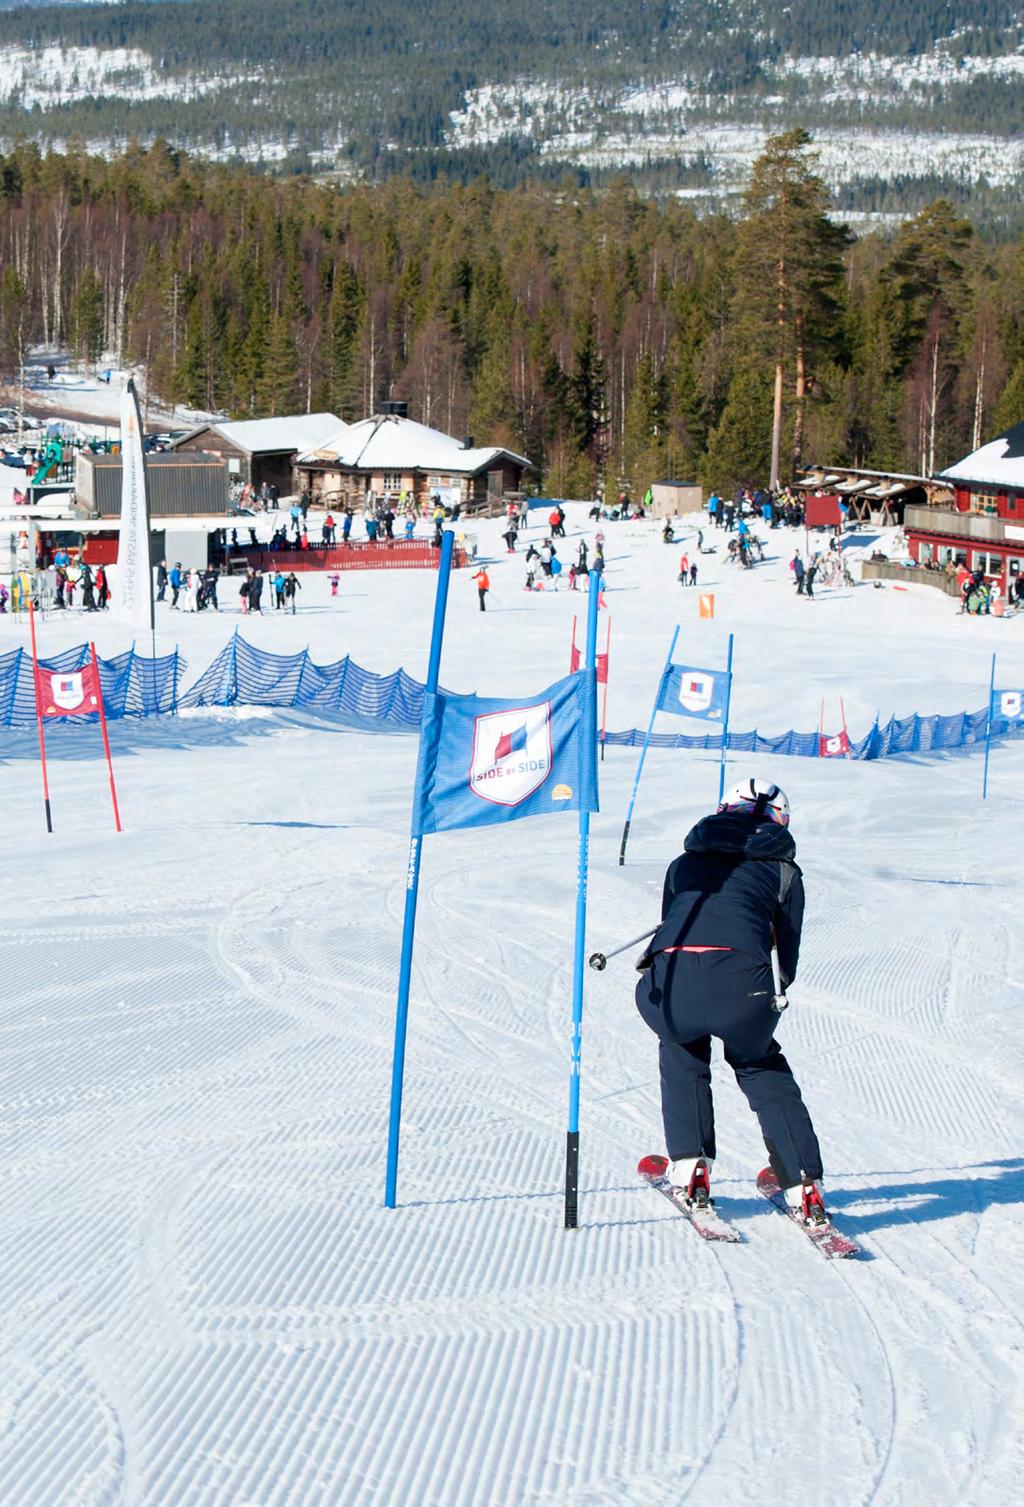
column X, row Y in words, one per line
column 242, row 675
column 900, row 735
column 133, row 684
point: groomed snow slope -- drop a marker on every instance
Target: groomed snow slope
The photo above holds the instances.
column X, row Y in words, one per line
column 202, row 1300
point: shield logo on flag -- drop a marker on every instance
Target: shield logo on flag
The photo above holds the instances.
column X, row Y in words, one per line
column 67, row 690
column 836, row 744
column 1010, row 704
column 696, row 691
column 511, row 753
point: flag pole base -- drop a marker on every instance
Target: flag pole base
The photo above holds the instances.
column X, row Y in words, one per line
column 572, row 1179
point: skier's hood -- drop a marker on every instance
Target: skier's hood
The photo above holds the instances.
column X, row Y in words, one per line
column 736, row 832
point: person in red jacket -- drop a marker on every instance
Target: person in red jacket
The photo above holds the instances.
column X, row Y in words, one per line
column 684, row 570
column 483, row 586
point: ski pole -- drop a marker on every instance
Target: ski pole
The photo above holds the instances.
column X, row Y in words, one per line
column 779, row 1001
column 599, row 960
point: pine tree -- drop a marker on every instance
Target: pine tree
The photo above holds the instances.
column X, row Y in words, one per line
column 645, row 433
column 788, row 275
column 740, row 447
column 85, row 317
column 1009, row 408
column 277, row 387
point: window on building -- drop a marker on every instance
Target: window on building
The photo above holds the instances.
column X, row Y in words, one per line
column 984, row 502
column 926, row 552
column 1013, row 565
column 392, row 481
column 992, row 565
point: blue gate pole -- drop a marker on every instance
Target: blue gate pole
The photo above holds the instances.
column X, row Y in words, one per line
column 725, row 725
column 412, row 885
column 988, row 728
column 646, row 742
column 572, row 1139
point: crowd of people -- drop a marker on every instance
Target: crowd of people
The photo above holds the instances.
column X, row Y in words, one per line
column 981, row 594
column 775, row 508
column 192, row 590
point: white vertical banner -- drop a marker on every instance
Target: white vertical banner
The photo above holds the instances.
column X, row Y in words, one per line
column 134, row 572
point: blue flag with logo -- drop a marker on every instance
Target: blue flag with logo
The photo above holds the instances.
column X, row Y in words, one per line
column 483, row 760
column 694, row 693
column 1008, row 704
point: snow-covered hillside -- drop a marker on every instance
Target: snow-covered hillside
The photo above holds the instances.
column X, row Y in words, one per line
column 202, row 1299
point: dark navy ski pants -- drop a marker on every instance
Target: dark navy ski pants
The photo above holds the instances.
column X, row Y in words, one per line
column 687, row 998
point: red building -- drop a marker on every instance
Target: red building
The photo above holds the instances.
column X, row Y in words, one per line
column 982, row 526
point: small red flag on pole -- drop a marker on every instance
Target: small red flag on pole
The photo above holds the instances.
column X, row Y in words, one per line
column 39, row 716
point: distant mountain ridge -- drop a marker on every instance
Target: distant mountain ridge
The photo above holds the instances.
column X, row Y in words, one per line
column 904, row 100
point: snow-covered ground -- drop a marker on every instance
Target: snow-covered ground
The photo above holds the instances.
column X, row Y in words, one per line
column 202, row 1299
column 723, row 135
column 88, row 395
column 42, row 77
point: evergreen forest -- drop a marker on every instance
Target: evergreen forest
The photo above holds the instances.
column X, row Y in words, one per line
column 307, row 84
column 607, row 336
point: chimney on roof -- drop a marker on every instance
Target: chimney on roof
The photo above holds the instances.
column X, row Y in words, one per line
column 395, row 408
column 467, row 443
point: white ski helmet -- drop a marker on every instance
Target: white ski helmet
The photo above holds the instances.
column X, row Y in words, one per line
column 760, row 798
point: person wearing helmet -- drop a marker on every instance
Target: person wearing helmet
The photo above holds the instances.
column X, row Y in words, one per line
column 733, row 894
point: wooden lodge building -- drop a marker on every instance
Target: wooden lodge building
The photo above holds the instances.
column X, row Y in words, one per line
column 389, row 454
column 880, row 497
column 980, row 524
column 262, row 450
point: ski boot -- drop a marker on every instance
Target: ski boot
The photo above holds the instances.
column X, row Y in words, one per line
column 805, row 1198
column 691, row 1179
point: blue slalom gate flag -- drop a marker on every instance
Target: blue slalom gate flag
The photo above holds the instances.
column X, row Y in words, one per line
column 694, row 693
column 484, row 760
column 1008, row 705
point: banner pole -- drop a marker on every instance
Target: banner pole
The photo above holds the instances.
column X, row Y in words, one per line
column 988, row 728
column 106, row 740
column 572, row 1139
column 572, row 648
column 39, row 716
column 412, row 884
column 725, row 725
column 646, row 742
column 846, row 735
column 607, row 669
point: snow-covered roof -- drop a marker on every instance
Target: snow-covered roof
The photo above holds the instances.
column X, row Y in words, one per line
column 299, row 431
column 999, row 463
column 388, row 442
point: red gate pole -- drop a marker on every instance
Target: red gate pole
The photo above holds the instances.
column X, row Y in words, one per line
column 39, row 717
column 106, row 740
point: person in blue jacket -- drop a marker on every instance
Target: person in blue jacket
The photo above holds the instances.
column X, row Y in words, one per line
column 175, row 580
column 733, row 895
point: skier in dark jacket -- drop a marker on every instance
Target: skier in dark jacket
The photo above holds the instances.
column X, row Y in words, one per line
column 733, row 893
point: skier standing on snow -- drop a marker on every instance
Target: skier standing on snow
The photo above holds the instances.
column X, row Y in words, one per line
column 733, row 893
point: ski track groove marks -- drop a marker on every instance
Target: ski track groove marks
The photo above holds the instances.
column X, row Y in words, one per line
column 64, row 1444
column 551, row 1412
column 955, row 1105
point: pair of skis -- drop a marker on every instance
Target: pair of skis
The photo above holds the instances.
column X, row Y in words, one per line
column 710, row 1225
